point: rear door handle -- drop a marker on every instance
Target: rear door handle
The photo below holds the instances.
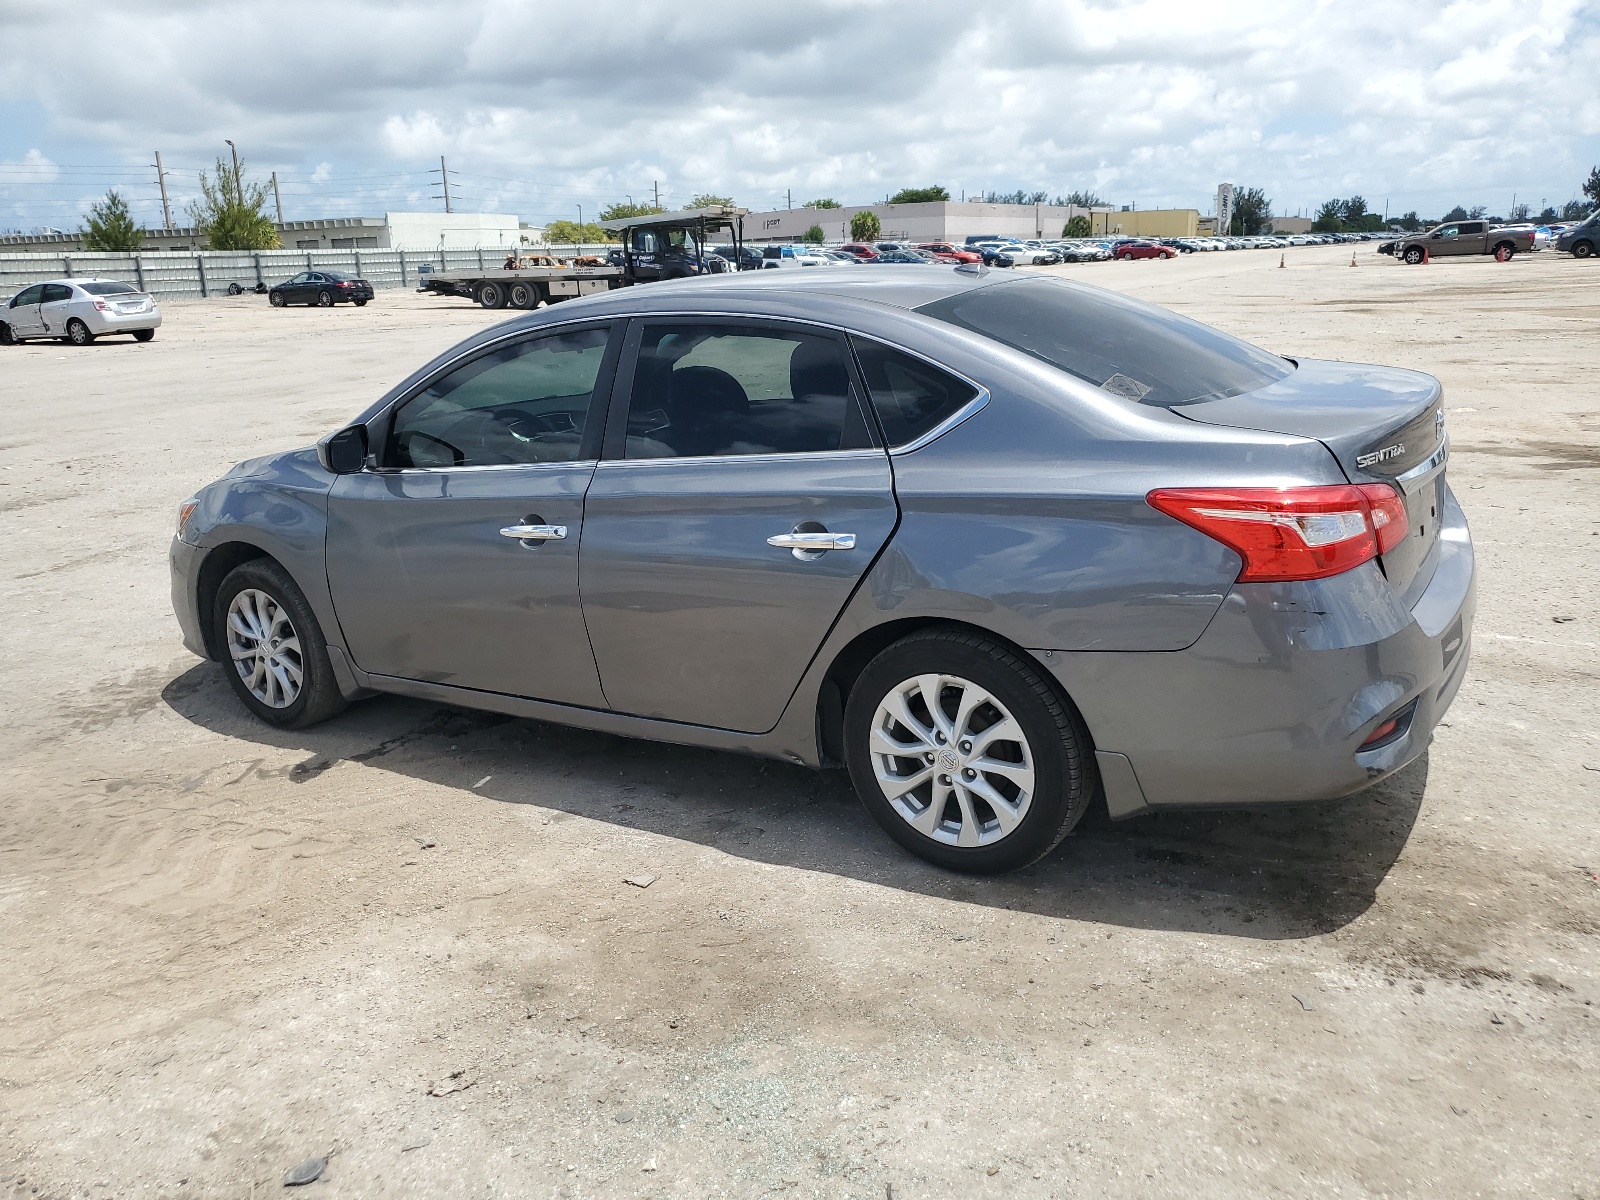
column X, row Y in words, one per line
column 535, row 533
column 809, row 545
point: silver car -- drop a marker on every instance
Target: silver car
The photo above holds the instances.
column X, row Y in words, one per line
column 79, row 311
column 997, row 545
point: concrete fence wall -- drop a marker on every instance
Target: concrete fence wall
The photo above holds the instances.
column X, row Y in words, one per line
column 207, row 273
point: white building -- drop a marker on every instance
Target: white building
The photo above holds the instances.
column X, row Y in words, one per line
column 392, row 231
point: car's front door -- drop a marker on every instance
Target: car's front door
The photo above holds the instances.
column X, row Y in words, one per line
column 23, row 313
column 293, row 288
column 1443, row 240
column 454, row 558
column 740, row 501
column 53, row 305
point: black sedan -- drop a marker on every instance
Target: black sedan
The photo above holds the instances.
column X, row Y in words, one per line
column 321, row 288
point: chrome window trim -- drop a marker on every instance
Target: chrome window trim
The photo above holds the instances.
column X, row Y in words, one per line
column 1414, row 479
column 949, row 423
column 541, row 466
column 783, row 456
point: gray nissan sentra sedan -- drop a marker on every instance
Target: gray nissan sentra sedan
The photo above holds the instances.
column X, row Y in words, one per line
column 995, row 544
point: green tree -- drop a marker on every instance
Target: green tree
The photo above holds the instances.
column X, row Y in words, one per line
column 825, row 202
column 706, row 200
column 1591, row 187
column 1329, row 217
column 1252, row 212
column 1455, row 214
column 1077, row 227
column 623, row 208
column 1574, row 210
column 1548, row 214
column 865, row 227
column 231, row 212
column 922, row 195
column 814, row 236
column 1017, row 197
column 1411, row 222
column 562, row 233
column 1080, row 199
column 109, row 227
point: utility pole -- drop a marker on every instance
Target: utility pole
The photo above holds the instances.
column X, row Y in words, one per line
column 444, row 175
column 276, row 198
column 657, row 186
column 238, row 184
column 161, row 178
column 788, row 196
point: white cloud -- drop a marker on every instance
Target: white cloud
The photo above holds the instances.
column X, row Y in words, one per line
column 32, row 167
column 1148, row 101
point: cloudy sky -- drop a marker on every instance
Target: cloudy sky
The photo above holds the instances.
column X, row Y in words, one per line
column 541, row 107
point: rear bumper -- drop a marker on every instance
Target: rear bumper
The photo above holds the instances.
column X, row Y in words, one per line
column 1272, row 703
column 106, row 322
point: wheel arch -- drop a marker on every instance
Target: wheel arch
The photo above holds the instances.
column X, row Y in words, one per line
column 853, row 657
column 214, row 568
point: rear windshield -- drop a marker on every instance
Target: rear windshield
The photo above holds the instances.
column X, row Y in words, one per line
column 1125, row 347
column 107, row 289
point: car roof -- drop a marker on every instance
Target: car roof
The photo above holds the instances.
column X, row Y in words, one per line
column 793, row 290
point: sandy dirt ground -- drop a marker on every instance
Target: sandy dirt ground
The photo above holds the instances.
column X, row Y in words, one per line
column 403, row 938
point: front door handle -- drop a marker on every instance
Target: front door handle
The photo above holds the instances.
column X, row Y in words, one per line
column 808, row 544
column 535, row 533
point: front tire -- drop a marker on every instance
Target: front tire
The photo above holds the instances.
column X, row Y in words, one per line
column 278, row 300
column 966, row 753
column 1413, row 255
column 7, row 338
column 1582, row 249
column 276, row 659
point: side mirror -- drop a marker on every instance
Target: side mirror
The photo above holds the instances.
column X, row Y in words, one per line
column 345, row 452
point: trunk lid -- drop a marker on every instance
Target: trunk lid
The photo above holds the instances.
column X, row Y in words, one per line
column 1382, row 424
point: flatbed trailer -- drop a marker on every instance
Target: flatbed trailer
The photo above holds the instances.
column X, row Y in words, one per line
column 522, row 287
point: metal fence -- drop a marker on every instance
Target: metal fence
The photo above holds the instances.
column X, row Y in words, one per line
column 209, row 272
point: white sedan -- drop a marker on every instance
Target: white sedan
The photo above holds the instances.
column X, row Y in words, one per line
column 1014, row 254
column 78, row 311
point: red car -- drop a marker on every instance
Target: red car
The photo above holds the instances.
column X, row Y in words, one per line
column 1132, row 250
column 945, row 252
column 860, row 250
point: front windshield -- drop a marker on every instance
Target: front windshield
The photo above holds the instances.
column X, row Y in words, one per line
column 1138, row 351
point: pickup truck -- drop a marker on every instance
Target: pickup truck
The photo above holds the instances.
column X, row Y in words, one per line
column 1460, row 238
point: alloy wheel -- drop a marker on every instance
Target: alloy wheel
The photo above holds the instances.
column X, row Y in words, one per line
column 265, row 648
column 951, row 760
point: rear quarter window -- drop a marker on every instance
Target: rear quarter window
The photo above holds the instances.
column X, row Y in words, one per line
column 1134, row 350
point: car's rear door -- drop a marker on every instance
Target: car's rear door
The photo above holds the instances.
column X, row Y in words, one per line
column 455, row 560
column 732, row 444
column 54, row 303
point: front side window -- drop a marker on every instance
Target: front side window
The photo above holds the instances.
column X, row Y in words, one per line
column 1123, row 346
column 719, row 389
column 28, row 295
column 1445, row 231
column 527, row 402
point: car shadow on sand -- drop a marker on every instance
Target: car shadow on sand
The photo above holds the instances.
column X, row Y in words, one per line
column 1271, row 874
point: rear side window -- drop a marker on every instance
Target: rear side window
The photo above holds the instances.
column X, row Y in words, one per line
column 1130, row 349
column 107, row 288
column 911, row 396
column 727, row 389
column 54, row 292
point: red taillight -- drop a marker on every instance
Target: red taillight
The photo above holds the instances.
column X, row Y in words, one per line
column 1292, row 533
column 102, row 306
column 1382, row 732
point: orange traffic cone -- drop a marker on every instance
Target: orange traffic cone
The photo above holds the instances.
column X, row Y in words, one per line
column 1352, row 258
column 1280, row 260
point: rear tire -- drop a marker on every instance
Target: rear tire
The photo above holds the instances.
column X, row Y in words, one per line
column 144, row 335
column 78, row 333
column 1582, row 249
column 1044, row 776
column 523, row 295
column 324, row 299
column 1504, row 251
column 273, row 635
column 277, row 300
column 491, row 295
